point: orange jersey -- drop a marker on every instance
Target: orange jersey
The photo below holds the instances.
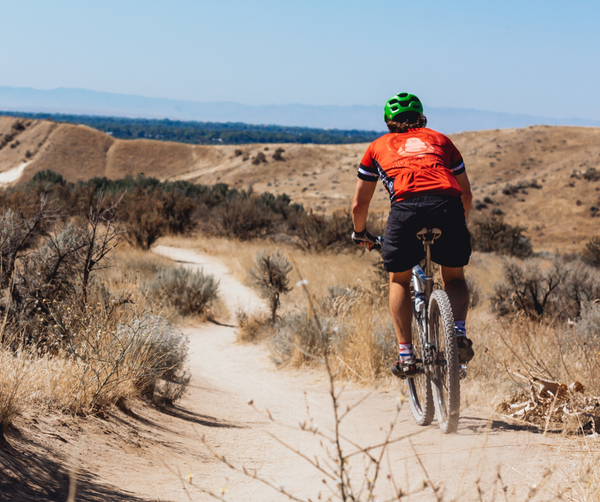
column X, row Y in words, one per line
column 420, row 161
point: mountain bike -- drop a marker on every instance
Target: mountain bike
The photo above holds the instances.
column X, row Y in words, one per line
column 435, row 388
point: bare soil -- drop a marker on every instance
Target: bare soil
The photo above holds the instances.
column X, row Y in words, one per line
column 135, row 453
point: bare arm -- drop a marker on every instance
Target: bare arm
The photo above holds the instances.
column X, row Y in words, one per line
column 360, row 204
column 467, row 196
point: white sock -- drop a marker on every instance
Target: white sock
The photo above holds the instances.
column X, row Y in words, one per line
column 406, row 352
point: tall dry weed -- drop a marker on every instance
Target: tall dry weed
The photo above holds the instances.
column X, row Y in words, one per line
column 253, row 327
column 145, row 357
column 370, row 346
column 28, row 381
column 120, row 354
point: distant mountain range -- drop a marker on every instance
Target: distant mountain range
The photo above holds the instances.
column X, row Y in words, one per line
column 370, row 118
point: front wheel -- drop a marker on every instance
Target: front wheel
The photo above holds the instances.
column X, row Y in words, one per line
column 445, row 375
column 419, row 385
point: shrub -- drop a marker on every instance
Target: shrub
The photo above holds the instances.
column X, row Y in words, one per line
column 188, row 291
column 315, row 232
column 119, row 358
column 557, row 291
column 164, row 352
column 380, row 280
column 513, row 189
column 270, row 276
column 60, row 269
column 48, row 178
column 177, row 212
column 493, row 234
column 474, row 292
column 298, row 339
column 243, row 218
column 340, row 300
column 142, row 215
column 591, row 253
column 16, row 233
column 591, row 174
column 362, row 345
column 253, row 327
column 277, row 155
column 260, row 157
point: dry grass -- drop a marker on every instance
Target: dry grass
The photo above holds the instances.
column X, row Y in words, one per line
column 370, row 348
column 363, row 339
column 114, row 347
column 27, row 382
column 109, row 358
column 321, row 270
column 253, row 328
column 363, row 342
column 132, row 269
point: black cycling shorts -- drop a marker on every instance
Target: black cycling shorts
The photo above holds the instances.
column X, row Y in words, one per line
column 402, row 250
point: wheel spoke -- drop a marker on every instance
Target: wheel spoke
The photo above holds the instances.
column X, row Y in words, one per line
column 419, row 386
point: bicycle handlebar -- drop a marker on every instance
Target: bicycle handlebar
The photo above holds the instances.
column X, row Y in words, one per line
column 377, row 245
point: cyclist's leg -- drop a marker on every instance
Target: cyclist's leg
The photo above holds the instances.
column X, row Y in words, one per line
column 456, row 287
column 401, row 305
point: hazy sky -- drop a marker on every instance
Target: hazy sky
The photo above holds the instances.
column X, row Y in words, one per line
column 540, row 57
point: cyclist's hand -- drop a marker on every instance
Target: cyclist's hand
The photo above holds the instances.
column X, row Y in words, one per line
column 366, row 239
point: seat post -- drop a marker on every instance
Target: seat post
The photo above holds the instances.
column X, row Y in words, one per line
column 428, row 271
column 427, row 236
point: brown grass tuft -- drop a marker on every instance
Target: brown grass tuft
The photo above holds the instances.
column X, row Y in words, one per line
column 253, row 327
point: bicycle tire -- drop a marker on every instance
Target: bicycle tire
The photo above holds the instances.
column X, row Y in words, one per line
column 419, row 386
column 445, row 379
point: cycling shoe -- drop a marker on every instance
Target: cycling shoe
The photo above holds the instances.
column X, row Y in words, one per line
column 406, row 369
column 465, row 349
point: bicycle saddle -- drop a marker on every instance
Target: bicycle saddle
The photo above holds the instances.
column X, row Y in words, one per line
column 428, row 235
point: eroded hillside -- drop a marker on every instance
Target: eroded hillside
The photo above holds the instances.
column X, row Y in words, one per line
column 539, row 177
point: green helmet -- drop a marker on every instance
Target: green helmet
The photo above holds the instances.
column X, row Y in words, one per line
column 402, row 103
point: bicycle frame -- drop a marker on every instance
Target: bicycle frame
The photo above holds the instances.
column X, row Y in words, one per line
column 422, row 287
column 438, row 384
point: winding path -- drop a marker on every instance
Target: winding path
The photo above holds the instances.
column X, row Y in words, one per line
column 226, row 376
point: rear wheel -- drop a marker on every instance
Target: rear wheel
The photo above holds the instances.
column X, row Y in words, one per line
column 445, row 376
column 419, row 386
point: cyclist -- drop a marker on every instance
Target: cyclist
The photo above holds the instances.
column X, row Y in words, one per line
column 425, row 176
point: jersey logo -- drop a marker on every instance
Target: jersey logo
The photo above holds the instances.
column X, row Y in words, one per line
column 414, row 147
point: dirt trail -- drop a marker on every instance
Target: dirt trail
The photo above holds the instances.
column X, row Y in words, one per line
column 227, row 375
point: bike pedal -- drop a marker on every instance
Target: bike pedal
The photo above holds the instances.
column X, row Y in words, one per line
column 413, row 370
column 462, row 371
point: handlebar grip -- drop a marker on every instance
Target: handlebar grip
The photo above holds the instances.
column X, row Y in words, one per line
column 378, row 244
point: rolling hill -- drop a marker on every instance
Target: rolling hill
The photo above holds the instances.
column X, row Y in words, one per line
column 545, row 178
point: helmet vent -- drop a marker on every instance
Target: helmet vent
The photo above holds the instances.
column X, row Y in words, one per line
column 402, row 103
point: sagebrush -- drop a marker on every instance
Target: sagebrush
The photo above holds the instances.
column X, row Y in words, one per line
column 188, row 291
column 270, row 276
column 540, row 288
column 494, row 235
